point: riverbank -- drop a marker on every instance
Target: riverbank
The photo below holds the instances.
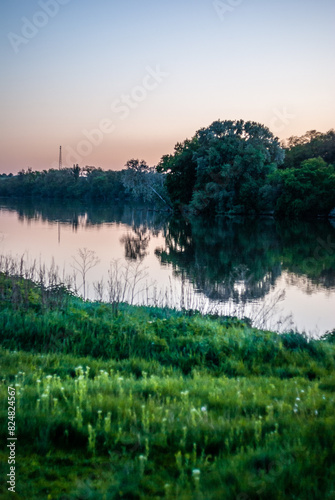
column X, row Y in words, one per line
column 117, row 401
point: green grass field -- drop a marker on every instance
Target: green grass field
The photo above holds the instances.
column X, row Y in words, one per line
column 116, row 401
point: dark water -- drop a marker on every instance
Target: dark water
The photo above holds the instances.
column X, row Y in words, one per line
column 281, row 274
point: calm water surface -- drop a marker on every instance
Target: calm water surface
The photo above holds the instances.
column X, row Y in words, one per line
column 282, row 275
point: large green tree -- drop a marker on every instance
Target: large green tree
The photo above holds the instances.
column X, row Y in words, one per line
column 223, row 168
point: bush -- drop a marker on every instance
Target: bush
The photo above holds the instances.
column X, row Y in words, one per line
column 308, row 190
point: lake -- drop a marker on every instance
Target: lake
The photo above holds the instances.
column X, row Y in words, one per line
column 279, row 274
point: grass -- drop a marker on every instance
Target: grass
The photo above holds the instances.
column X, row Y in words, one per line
column 139, row 402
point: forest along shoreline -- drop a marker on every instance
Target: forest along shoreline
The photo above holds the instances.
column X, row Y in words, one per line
column 228, row 168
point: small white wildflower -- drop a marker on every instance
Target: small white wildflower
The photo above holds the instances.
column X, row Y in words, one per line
column 48, row 377
column 295, row 410
column 316, row 412
column 203, row 408
column 195, row 472
column 302, row 390
column 62, row 388
column 323, row 397
column 38, row 381
column 297, row 399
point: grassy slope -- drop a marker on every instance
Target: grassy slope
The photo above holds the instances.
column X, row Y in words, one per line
column 151, row 403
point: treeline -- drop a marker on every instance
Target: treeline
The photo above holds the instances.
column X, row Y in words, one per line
column 311, row 145
column 230, row 167
column 137, row 182
column 67, row 183
column 236, row 167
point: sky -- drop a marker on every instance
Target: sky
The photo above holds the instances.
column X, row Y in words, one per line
column 113, row 80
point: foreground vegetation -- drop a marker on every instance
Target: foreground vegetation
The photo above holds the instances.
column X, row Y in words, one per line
column 115, row 401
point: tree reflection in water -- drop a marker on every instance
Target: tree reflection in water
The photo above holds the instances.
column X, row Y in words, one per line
column 239, row 258
column 242, row 259
column 136, row 243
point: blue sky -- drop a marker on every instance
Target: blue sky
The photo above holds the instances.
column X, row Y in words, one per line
column 68, row 66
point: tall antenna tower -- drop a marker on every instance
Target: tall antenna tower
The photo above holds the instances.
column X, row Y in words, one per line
column 60, row 157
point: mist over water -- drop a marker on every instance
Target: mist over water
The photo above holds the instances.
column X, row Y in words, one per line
column 280, row 274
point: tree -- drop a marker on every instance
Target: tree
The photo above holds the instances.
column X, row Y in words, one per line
column 143, row 181
column 180, row 169
column 313, row 144
column 86, row 260
column 305, row 191
column 223, row 168
column 76, row 171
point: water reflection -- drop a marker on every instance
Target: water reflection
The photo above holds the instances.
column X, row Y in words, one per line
column 136, row 243
column 239, row 259
column 78, row 214
column 242, row 259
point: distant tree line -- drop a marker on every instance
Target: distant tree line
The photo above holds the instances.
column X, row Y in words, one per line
column 137, row 182
column 67, row 183
column 230, row 167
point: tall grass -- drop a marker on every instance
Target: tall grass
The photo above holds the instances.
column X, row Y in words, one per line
column 119, row 401
column 128, row 283
column 136, row 429
column 45, row 319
